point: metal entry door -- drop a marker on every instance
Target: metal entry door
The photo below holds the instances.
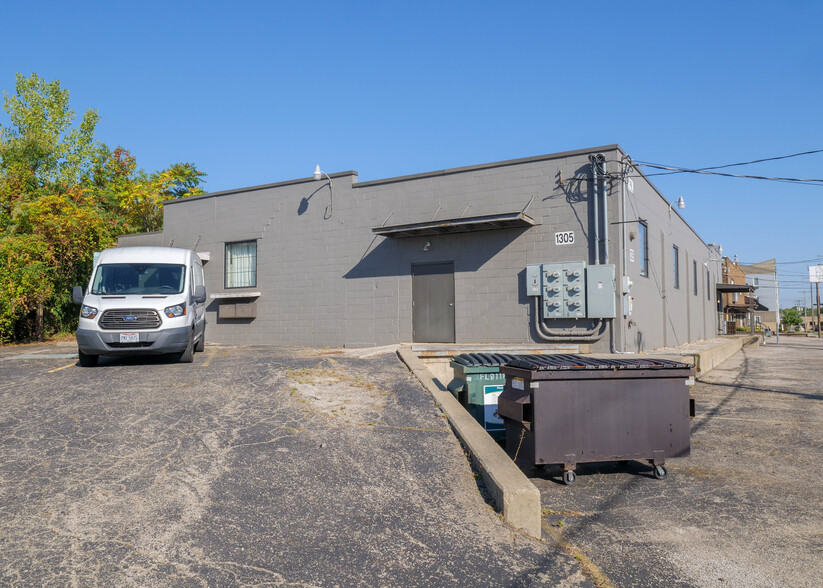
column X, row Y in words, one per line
column 433, row 303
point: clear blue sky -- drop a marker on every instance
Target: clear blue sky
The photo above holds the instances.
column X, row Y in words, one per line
column 259, row 92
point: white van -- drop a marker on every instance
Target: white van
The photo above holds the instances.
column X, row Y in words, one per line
column 142, row 300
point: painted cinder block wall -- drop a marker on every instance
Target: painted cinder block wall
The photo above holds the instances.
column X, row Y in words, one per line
column 325, row 279
column 664, row 315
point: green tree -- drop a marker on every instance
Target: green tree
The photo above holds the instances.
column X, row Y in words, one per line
column 136, row 197
column 791, row 317
column 41, row 149
column 63, row 196
column 24, row 283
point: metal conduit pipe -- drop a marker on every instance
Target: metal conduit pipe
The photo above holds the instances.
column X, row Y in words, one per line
column 560, row 336
column 612, row 346
column 596, row 203
column 600, row 160
column 624, row 172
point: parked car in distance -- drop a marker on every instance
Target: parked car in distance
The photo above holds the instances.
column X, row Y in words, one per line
column 142, row 300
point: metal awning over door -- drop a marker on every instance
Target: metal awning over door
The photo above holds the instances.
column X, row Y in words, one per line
column 511, row 220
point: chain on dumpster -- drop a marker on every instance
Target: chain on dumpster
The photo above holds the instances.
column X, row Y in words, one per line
column 522, row 434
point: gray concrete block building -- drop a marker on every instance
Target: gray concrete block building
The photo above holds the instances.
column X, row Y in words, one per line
column 575, row 247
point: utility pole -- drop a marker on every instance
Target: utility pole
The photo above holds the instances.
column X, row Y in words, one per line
column 777, row 303
column 817, row 286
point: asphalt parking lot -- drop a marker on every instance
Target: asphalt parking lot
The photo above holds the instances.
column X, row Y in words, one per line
column 743, row 510
column 252, row 466
column 263, row 466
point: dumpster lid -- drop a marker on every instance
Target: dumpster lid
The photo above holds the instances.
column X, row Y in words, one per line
column 579, row 362
column 483, row 359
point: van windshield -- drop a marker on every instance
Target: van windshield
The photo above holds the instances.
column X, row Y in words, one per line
column 139, row 278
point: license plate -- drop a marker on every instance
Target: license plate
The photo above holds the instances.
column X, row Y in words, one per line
column 130, row 337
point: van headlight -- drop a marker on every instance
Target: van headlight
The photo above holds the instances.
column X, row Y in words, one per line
column 88, row 312
column 176, row 310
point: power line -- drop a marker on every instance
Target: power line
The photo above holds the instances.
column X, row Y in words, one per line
column 683, row 170
column 816, row 259
column 737, row 164
column 670, row 169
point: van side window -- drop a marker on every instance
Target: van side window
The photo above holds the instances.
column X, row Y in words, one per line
column 197, row 275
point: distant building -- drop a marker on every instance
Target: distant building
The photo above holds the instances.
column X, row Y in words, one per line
column 575, row 248
column 765, row 292
column 758, row 295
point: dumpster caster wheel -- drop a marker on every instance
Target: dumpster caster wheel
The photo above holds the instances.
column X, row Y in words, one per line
column 660, row 472
column 569, row 477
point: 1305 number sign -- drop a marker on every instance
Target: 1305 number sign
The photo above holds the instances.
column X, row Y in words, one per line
column 564, row 238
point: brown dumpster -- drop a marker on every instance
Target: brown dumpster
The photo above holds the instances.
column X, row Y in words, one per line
column 570, row 409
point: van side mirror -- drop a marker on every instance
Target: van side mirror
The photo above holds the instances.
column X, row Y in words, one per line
column 200, row 294
column 77, row 295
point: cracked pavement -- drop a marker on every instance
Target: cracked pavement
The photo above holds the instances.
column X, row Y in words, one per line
column 253, row 466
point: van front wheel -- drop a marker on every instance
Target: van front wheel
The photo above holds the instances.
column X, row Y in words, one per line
column 187, row 355
column 87, row 360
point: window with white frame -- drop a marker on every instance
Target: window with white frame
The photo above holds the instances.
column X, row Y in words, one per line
column 241, row 264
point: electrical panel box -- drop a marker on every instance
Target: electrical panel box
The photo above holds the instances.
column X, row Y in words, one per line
column 574, row 283
column 601, row 291
column 564, row 290
column 552, row 290
column 533, row 280
column 573, row 290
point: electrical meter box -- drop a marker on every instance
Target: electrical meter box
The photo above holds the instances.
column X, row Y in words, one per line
column 573, row 290
column 563, row 289
column 601, row 291
column 552, row 290
column 574, row 283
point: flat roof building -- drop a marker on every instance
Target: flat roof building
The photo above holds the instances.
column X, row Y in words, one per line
column 574, row 247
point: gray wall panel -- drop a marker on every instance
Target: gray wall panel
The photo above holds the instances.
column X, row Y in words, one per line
column 329, row 281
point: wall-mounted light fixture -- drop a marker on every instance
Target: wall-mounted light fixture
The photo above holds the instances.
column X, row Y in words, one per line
column 318, row 175
column 680, row 204
column 426, row 246
column 715, row 248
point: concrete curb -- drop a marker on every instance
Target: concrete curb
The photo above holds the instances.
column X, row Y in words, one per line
column 511, row 490
column 708, row 359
